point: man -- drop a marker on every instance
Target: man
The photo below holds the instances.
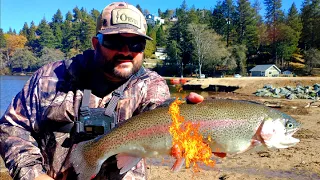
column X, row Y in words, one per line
column 34, row 142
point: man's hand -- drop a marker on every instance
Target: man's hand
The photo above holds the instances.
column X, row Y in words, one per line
column 194, row 98
column 43, row 177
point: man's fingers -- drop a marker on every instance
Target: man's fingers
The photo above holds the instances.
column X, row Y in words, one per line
column 194, row 98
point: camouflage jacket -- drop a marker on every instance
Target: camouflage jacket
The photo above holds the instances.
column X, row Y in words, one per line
column 29, row 143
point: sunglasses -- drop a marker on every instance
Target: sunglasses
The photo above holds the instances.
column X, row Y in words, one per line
column 117, row 42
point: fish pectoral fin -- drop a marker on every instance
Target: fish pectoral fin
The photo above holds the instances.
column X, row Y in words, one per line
column 178, row 164
column 126, row 162
column 220, row 154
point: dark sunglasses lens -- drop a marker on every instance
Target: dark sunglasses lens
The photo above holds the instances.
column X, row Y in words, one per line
column 112, row 43
column 137, row 46
column 118, row 42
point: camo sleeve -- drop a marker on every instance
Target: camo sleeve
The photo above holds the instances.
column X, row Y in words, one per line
column 17, row 146
column 157, row 93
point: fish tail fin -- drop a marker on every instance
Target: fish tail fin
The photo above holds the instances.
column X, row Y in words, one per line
column 82, row 168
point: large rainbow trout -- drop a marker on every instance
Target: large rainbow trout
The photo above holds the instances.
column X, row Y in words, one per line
column 234, row 127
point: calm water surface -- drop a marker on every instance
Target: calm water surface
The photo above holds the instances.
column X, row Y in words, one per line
column 11, row 85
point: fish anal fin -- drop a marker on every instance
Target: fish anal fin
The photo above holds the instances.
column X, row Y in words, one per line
column 126, row 162
column 178, row 164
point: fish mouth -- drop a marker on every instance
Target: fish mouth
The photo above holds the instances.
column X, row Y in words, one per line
column 288, row 139
column 291, row 132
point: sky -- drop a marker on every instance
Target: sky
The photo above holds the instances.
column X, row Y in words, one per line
column 14, row 13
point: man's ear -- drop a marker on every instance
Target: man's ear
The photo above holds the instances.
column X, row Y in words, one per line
column 95, row 42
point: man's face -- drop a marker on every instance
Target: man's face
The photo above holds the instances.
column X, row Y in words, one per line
column 119, row 56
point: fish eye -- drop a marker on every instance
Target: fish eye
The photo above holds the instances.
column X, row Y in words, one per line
column 289, row 125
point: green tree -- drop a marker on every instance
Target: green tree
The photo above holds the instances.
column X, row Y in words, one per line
column 88, row 31
column 139, row 7
column 49, row 55
column 32, row 32
column 218, row 20
column 66, row 34
column 77, row 14
column 246, row 26
column 25, row 30
column 12, row 32
column 149, row 50
column 95, row 14
column 286, row 44
column 208, row 47
column 161, row 37
column 223, row 20
column 293, row 20
column 33, row 40
column 168, row 14
column 312, row 59
column 23, row 59
column 238, row 54
column 274, row 16
column 159, row 12
column 57, row 17
column 69, row 16
column 310, row 15
column 3, row 42
column 56, row 26
column 47, row 38
column 151, row 45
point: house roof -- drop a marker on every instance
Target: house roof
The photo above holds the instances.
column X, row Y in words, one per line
column 264, row 67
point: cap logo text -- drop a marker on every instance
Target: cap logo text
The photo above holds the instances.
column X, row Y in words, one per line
column 126, row 16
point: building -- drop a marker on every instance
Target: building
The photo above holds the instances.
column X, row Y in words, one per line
column 267, row 70
column 153, row 20
column 287, row 73
column 161, row 53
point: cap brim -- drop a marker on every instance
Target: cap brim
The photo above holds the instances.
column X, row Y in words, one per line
column 110, row 31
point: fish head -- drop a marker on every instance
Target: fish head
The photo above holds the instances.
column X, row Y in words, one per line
column 277, row 132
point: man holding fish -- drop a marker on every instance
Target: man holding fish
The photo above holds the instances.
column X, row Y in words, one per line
column 35, row 129
column 93, row 92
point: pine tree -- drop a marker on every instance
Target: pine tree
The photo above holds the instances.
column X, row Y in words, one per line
column 66, row 33
column 47, row 38
column 224, row 20
column 69, row 16
column 56, row 26
column 2, row 39
column 77, row 14
column 246, row 26
column 10, row 31
column 161, row 39
column 24, row 30
column 139, row 7
column 57, row 17
column 274, row 16
column 95, row 14
column 310, row 15
column 294, row 20
column 159, row 12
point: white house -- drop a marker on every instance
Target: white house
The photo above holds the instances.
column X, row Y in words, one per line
column 153, row 20
column 267, row 70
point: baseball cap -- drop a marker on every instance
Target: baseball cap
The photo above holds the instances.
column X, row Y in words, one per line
column 121, row 17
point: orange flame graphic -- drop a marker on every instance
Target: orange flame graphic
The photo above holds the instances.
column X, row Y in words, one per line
column 186, row 141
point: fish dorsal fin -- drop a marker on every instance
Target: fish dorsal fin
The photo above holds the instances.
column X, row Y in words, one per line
column 126, row 162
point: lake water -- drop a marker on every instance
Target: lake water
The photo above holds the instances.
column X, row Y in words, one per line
column 11, row 85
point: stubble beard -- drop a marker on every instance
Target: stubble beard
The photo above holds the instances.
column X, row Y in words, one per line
column 119, row 70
